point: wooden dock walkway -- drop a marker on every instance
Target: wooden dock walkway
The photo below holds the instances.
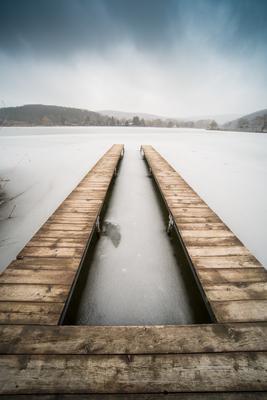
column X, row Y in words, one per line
column 40, row 359
column 234, row 283
column 35, row 287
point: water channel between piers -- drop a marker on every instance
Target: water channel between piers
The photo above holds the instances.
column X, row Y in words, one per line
column 136, row 274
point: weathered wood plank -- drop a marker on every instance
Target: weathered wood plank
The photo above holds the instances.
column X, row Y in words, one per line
column 133, row 339
column 206, row 251
column 36, row 263
column 237, row 291
column 240, row 311
column 183, row 219
column 133, row 374
column 247, row 261
column 211, row 241
column 224, row 233
column 238, row 275
column 57, row 242
column 200, row 226
column 61, row 234
column 42, row 276
column 65, row 219
column 68, row 227
column 33, row 292
column 65, row 252
column 192, row 212
column 154, row 396
column 30, row 313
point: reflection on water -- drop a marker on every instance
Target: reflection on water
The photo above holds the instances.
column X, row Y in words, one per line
column 134, row 277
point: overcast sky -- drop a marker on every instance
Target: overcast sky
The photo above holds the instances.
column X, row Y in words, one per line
column 167, row 57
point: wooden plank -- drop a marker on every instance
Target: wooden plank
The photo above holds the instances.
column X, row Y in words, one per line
column 224, row 233
column 77, row 209
column 192, row 212
column 211, row 241
column 188, row 206
column 247, row 261
column 42, row 276
column 57, row 242
column 65, row 252
column 30, row 313
column 33, row 292
column 206, row 251
column 68, row 227
column 182, row 219
column 133, row 374
column 154, row 396
column 200, row 226
column 61, row 234
column 133, row 339
column 237, row 291
column 36, row 263
column 240, row 311
column 238, row 275
column 66, row 219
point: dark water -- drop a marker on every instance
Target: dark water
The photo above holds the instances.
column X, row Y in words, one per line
column 135, row 276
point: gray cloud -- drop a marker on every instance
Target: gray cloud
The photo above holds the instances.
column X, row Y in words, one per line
column 67, row 26
column 172, row 57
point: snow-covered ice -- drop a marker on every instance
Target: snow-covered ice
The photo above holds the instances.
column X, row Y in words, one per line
column 40, row 166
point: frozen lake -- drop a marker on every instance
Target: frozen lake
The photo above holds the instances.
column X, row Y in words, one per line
column 40, row 166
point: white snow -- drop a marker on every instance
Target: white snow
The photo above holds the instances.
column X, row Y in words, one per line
column 42, row 165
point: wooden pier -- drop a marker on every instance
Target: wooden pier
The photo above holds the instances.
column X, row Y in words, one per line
column 232, row 280
column 35, row 287
column 41, row 359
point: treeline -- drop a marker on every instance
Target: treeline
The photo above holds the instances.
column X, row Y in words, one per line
column 163, row 123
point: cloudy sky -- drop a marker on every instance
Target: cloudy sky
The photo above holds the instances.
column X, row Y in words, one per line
column 167, row 57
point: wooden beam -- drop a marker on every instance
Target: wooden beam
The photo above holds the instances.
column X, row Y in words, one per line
column 22, row 374
column 133, row 339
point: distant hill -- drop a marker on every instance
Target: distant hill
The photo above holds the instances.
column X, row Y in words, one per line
column 130, row 115
column 255, row 122
column 219, row 118
column 49, row 115
column 38, row 114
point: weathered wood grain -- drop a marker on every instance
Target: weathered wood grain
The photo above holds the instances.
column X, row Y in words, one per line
column 154, row 396
column 200, row 226
column 211, row 241
column 57, row 242
column 133, row 374
column 237, row 261
column 36, row 263
column 240, row 311
column 53, row 226
column 30, row 313
column 65, row 252
column 237, row 275
column 210, row 234
column 212, row 250
column 42, row 276
column 212, row 338
column 237, row 291
column 33, row 292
